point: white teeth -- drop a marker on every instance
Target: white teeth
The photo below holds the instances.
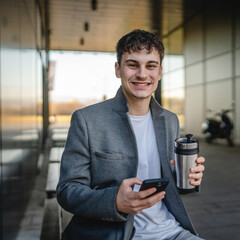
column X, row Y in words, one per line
column 141, row 84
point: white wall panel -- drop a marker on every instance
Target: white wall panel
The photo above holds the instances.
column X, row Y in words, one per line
column 194, row 74
column 173, row 80
column 219, row 67
column 219, row 95
column 237, row 63
column 194, row 109
column 237, row 106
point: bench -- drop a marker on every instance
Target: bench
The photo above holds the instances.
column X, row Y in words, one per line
column 53, row 170
column 52, row 179
column 56, row 154
column 55, row 219
column 59, row 136
column 51, row 226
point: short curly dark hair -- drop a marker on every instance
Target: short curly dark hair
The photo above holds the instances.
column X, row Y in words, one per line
column 138, row 40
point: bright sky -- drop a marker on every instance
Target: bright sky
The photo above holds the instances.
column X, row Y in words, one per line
column 83, row 76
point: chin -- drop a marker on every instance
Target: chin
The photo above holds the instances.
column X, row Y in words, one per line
column 141, row 96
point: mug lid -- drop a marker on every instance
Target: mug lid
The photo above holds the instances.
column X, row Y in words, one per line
column 187, row 142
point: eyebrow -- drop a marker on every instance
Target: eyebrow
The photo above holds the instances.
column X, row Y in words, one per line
column 132, row 60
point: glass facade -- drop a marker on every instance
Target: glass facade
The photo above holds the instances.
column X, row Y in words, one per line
column 173, row 92
column 21, row 80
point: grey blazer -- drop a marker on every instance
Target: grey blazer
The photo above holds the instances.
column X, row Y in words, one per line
column 100, row 152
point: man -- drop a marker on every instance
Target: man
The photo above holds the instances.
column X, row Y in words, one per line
column 114, row 145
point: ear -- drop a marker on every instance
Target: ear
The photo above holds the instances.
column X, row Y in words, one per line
column 117, row 70
column 160, row 73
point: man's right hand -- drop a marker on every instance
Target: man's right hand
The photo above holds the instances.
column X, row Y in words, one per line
column 128, row 201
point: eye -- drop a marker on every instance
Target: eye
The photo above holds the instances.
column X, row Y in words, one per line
column 151, row 66
column 132, row 65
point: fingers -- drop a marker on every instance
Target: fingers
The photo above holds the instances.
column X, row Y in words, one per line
column 196, row 179
column 140, row 204
column 125, row 194
column 196, row 182
column 200, row 160
column 145, row 193
column 196, row 173
column 131, row 181
column 199, row 168
column 195, row 176
column 128, row 201
column 172, row 162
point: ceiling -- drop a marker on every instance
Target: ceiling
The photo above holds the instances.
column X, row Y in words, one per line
column 75, row 25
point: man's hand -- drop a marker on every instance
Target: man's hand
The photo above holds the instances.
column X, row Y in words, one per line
column 196, row 173
column 128, row 201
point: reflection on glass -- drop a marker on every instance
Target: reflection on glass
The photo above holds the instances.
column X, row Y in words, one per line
column 21, row 104
column 173, row 85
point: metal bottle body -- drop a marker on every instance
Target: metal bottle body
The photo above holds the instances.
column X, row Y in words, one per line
column 186, row 153
column 183, row 164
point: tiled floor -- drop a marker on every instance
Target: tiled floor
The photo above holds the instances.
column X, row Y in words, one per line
column 215, row 211
column 30, row 226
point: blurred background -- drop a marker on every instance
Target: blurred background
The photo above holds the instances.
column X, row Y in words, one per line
column 57, row 56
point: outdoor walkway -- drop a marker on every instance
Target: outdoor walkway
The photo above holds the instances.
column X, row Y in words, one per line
column 215, row 211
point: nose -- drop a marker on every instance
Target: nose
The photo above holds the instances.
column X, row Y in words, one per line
column 141, row 73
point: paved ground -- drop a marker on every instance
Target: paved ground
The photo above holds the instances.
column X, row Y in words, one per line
column 215, row 212
column 30, row 226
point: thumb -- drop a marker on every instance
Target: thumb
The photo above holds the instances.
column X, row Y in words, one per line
column 131, row 181
column 172, row 162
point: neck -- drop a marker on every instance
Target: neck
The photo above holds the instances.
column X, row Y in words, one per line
column 139, row 108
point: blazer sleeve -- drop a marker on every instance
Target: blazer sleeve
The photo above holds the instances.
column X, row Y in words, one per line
column 74, row 192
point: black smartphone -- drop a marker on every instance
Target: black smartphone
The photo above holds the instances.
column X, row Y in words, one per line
column 159, row 183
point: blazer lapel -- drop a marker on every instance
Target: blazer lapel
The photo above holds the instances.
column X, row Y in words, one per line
column 172, row 200
column 162, row 143
column 160, row 127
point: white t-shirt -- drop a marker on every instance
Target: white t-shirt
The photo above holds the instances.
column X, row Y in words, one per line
column 156, row 222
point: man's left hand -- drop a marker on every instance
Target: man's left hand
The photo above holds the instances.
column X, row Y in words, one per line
column 196, row 173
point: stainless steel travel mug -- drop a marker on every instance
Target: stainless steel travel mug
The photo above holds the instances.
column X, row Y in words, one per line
column 186, row 152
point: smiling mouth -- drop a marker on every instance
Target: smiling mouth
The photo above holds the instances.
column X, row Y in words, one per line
column 141, row 84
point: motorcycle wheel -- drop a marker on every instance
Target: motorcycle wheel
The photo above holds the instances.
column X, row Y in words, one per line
column 230, row 142
column 209, row 139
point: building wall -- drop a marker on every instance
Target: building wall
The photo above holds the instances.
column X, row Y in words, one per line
column 22, row 60
column 211, row 50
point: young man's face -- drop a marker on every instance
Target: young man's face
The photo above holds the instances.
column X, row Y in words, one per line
column 140, row 73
